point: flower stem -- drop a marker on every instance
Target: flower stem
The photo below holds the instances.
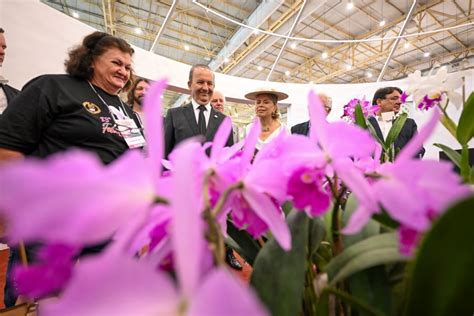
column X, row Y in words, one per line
column 447, row 122
column 336, row 224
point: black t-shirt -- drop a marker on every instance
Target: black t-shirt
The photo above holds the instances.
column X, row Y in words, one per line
column 57, row 112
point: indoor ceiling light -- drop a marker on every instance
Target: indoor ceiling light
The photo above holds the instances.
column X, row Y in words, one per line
column 311, row 82
column 226, row 60
column 382, row 23
column 406, row 45
column 255, row 32
column 369, row 74
column 324, row 55
column 75, row 14
column 293, row 45
column 287, row 73
column 426, row 54
column 138, row 30
column 259, row 68
column 186, row 47
column 350, row 5
column 348, row 67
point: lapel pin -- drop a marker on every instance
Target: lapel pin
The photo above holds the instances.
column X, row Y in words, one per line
column 215, row 116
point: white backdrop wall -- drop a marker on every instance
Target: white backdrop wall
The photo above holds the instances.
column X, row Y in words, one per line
column 38, row 38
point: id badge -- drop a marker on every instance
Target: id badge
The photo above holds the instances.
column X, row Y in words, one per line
column 130, row 133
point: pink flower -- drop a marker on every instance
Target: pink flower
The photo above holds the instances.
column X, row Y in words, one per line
column 97, row 286
column 367, row 109
column 49, row 275
column 413, row 192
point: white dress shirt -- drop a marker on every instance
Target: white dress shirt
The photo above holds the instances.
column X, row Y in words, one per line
column 3, row 100
column 207, row 113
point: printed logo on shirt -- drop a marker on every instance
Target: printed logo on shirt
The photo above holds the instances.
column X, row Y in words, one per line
column 91, row 107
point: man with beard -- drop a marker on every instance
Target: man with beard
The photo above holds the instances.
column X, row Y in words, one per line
column 136, row 96
column 197, row 117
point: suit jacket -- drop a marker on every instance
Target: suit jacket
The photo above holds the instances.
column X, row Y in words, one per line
column 180, row 124
column 10, row 92
column 302, row 129
column 407, row 132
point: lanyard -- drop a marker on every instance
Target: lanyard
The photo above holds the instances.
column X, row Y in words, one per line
column 120, row 114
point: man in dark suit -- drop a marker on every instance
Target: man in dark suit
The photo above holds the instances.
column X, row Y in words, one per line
column 6, row 92
column 197, row 117
column 388, row 99
column 303, row 128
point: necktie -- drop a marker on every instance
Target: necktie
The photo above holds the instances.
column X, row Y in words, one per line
column 202, row 120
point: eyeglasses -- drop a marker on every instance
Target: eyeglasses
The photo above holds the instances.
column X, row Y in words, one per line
column 126, row 130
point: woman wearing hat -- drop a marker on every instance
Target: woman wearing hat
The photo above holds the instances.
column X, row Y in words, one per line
column 266, row 109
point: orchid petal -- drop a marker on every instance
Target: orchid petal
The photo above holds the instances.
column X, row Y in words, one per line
column 154, row 125
column 221, row 137
column 92, row 208
column 187, row 226
column 357, row 221
column 222, row 294
column 416, row 143
column 317, row 114
column 114, row 285
column 348, row 141
column 250, row 143
column 265, row 209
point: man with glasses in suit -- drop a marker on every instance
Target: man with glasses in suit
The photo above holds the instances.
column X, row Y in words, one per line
column 388, row 99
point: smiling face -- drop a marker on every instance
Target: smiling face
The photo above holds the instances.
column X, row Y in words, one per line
column 202, row 85
column 112, row 70
column 265, row 105
column 217, row 101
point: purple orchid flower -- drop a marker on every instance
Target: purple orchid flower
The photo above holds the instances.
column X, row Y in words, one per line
column 97, row 286
column 367, row 109
column 49, row 275
column 413, row 192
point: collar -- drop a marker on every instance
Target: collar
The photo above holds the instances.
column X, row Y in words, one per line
column 196, row 105
column 3, row 80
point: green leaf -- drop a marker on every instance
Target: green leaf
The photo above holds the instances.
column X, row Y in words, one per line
column 359, row 117
column 248, row 248
column 395, row 130
column 465, row 168
column 357, row 304
column 370, row 285
column 374, row 134
column 317, row 232
column 465, row 130
column 453, row 155
column 368, row 259
column 287, row 207
column 278, row 276
column 442, row 280
column 348, row 262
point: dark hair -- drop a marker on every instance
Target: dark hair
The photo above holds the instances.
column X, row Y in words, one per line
column 382, row 92
column 191, row 71
column 94, row 45
column 2, row 30
column 131, row 92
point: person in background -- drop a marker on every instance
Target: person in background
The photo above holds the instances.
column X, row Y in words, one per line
column 303, row 128
column 218, row 101
column 7, row 93
column 197, row 117
column 266, row 109
column 80, row 109
column 136, row 95
column 388, row 100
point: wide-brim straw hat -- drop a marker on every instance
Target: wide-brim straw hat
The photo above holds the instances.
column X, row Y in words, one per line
column 253, row 95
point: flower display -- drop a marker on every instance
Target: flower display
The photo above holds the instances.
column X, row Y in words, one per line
column 165, row 231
